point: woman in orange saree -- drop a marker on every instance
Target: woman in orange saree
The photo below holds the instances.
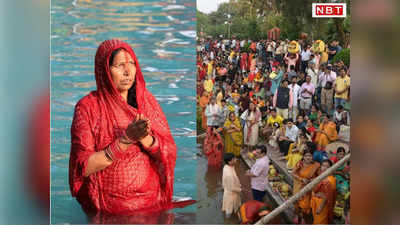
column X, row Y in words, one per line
column 204, row 100
column 326, row 133
column 303, row 173
column 324, row 197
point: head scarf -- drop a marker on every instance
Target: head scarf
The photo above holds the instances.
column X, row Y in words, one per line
column 98, row 121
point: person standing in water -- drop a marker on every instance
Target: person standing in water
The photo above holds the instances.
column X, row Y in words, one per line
column 122, row 155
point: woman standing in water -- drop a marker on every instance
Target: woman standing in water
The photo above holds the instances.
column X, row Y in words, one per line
column 213, row 144
column 123, row 155
column 232, row 187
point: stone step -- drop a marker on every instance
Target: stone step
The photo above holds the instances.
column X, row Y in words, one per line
column 288, row 214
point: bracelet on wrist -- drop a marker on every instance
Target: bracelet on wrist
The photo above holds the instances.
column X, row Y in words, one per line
column 125, row 139
column 108, row 154
column 114, row 151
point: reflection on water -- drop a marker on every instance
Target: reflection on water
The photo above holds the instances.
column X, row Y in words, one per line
column 210, row 192
column 151, row 218
column 162, row 35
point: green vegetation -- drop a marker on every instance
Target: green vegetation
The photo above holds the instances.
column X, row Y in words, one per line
column 343, row 55
column 252, row 19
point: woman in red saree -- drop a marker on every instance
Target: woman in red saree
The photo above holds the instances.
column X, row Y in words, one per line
column 123, row 155
column 214, row 147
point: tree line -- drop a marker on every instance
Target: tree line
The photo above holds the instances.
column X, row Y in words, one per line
column 253, row 18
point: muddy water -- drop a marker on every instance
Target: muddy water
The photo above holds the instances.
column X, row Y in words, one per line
column 210, row 192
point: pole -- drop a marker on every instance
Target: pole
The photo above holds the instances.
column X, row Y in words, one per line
column 306, row 189
column 229, row 30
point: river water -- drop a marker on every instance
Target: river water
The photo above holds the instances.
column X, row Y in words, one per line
column 162, row 35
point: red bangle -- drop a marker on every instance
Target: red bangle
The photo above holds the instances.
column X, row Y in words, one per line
column 154, row 146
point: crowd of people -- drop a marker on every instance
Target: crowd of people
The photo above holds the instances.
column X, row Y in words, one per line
column 252, row 93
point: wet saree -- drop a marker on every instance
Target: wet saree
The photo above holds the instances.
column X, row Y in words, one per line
column 249, row 212
column 330, row 135
column 328, row 188
column 142, row 180
column 303, row 205
column 234, row 140
column 213, row 148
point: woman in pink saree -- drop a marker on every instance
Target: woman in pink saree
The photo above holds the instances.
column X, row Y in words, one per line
column 122, row 152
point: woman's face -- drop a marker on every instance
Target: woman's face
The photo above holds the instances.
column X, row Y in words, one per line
column 232, row 116
column 308, row 158
column 340, row 155
column 213, row 101
column 313, row 109
column 251, row 106
column 123, row 71
column 300, row 119
column 309, row 124
column 324, row 166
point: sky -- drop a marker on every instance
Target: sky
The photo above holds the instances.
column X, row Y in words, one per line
column 207, row 6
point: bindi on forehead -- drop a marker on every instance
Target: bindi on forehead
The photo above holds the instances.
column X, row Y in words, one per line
column 123, row 56
column 127, row 56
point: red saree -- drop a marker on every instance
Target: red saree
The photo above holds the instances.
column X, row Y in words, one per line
column 213, row 148
column 142, row 180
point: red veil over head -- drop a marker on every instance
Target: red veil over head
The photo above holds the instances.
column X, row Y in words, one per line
column 141, row 181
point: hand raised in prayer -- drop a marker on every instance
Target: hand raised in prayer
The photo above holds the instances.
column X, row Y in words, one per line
column 319, row 210
column 138, row 129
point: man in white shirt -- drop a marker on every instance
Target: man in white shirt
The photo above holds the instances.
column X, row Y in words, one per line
column 305, row 57
column 242, row 43
column 291, row 133
column 313, row 73
column 270, row 49
column 295, row 88
column 327, row 76
column 213, row 113
column 212, row 55
column 259, row 173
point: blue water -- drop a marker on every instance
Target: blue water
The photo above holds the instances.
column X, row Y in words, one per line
column 163, row 36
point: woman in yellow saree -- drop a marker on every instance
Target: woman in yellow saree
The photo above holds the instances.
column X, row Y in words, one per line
column 324, row 197
column 303, row 173
column 326, row 133
column 296, row 150
column 204, row 99
column 233, row 135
